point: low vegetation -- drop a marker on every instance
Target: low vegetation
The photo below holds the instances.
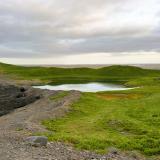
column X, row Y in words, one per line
column 118, row 74
column 128, row 120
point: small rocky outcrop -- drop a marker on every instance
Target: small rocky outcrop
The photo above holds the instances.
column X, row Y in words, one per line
column 12, row 97
column 37, row 141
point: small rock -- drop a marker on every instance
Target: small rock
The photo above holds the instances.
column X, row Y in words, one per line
column 22, row 89
column 37, row 141
column 38, row 97
column 113, row 150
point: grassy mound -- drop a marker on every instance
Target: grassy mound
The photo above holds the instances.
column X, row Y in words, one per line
column 77, row 75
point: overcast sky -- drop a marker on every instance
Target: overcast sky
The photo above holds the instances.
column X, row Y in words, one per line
column 79, row 31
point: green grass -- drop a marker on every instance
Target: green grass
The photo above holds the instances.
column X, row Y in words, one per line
column 128, row 120
column 59, row 96
column 55, row 75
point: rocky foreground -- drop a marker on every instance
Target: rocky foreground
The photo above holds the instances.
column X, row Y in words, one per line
column 21, row 111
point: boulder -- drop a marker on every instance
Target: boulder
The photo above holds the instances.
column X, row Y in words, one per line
column 37, row 141
column 12, row 97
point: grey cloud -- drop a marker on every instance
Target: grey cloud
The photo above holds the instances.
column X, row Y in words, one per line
column 30, row 28
column 118, row 45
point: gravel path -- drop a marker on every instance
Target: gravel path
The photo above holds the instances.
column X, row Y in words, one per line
column 25, row 121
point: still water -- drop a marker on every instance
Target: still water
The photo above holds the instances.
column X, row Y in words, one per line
column 87, row 87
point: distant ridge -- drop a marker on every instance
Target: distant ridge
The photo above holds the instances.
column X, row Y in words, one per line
column 77, row 74
column 145, row 66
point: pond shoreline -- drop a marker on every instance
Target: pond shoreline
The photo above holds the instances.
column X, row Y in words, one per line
column 85, row 87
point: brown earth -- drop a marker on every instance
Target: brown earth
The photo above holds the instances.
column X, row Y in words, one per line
column 119, row 96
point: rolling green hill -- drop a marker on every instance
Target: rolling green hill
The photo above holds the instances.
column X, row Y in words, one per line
column 77, row 75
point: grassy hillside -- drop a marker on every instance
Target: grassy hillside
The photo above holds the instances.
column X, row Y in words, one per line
column 77, row 75
column 127, row 120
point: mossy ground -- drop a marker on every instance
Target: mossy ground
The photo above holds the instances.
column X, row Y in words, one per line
column 128, row 120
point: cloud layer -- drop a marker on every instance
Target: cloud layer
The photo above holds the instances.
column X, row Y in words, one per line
column 58, row 28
